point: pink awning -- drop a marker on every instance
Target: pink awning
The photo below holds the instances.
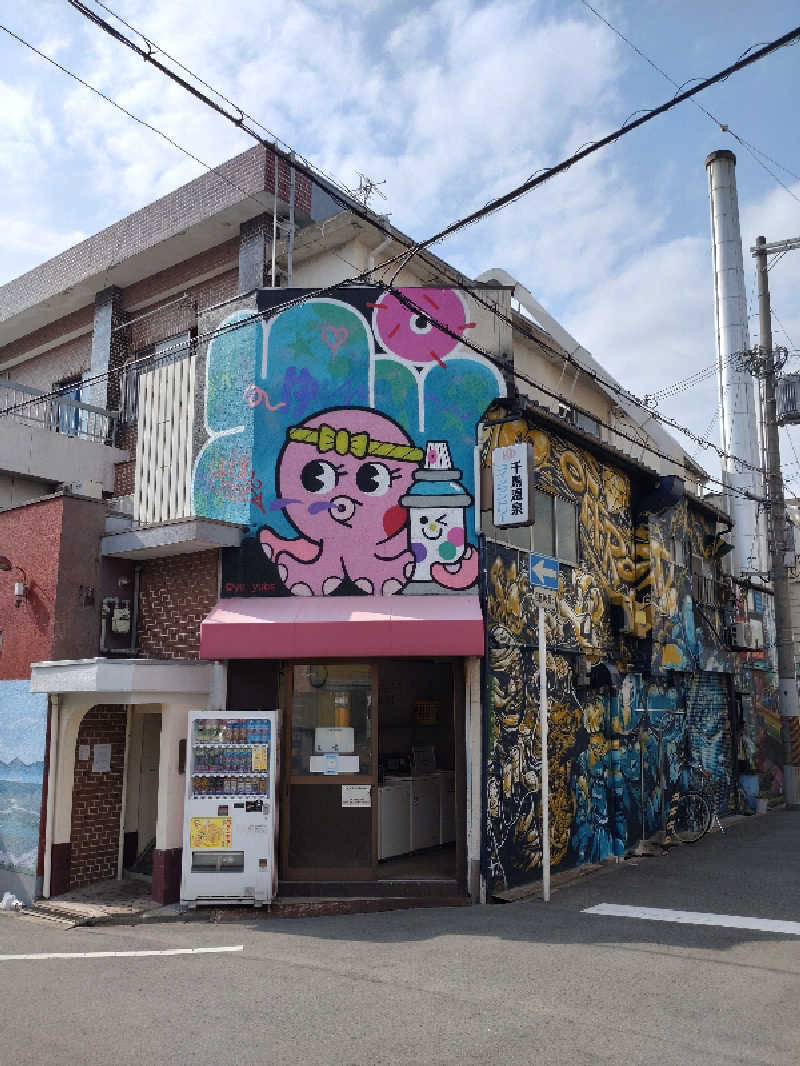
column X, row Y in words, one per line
column 339, row 627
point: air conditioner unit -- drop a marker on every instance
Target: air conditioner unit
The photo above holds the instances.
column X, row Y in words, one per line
column 743, row 635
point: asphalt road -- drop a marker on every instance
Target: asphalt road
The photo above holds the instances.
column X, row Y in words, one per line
column 516, row 984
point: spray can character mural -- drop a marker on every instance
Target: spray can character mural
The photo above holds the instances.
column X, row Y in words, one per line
column 351, row 426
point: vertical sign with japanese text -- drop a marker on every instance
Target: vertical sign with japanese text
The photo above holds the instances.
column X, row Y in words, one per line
column 512, row 484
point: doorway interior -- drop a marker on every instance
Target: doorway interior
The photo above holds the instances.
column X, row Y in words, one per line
column 141, row 801
column 373, row 783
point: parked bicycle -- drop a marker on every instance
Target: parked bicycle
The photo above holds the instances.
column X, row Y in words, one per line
column 692, row 809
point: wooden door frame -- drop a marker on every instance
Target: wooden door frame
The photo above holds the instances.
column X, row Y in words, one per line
column 317, row 873
column 458, row 710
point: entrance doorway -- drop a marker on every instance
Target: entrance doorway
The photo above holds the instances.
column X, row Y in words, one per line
column 373, row 779
column 141, row 807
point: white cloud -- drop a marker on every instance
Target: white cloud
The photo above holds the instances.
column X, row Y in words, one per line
column 650, row 323
column 452, row 102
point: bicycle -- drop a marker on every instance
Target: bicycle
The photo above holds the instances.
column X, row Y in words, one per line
column 693, row 811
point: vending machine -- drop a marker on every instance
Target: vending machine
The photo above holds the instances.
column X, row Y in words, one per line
column 230, row 826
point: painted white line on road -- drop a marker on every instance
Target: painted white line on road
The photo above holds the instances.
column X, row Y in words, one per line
column 121, row 954
column 727, row 921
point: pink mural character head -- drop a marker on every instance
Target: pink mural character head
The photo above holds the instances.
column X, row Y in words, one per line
column 410, row 333
column 340, row 477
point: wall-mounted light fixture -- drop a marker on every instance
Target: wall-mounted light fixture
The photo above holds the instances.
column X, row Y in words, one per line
column 20, row 587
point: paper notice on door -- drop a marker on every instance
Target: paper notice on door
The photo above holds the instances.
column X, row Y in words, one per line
column 101, row 764
column 356, row 795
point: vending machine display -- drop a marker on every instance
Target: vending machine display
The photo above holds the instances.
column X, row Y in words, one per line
column 230, row 825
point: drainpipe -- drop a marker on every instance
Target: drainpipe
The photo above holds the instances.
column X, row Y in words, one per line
column 137, row 575
column 290, row 243
column 124, row 804
column 274, row 214
column 52, row 784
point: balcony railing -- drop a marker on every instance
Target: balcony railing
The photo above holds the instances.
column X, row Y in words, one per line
column 59, row 414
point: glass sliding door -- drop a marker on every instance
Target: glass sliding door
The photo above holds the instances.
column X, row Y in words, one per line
column 328, row 815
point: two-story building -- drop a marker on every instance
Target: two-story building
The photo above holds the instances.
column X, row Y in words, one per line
column 280, row 503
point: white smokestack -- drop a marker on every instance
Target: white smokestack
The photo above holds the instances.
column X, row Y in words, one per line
column 737, row 408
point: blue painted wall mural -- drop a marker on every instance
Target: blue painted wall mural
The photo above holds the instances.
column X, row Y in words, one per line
column 23, row 729
column 606, row 773
column 341, row 432
column 686, row 635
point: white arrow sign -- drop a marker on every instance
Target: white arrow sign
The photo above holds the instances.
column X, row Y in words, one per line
column 544, row 571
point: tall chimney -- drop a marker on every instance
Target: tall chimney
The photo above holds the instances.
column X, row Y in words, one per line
column 737, row 408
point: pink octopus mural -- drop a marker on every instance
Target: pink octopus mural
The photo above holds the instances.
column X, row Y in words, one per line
column 351, row 484
column 341, row 433
column 340, row 478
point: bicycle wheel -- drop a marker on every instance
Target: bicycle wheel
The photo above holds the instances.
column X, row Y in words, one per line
column 693, row 817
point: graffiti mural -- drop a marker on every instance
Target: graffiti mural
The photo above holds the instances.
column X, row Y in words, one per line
column 341, row 432
column 23, row 726
column 602, row 496
column 763, row 725
column 686, row 634
column 617, row 755
column 515, row 759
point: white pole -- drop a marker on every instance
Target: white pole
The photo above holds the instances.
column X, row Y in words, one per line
column 545, row 777
column 738, row 424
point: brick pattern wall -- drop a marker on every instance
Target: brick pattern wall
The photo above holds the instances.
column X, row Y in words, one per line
column 63, row 361
column 180, row 317
column 125, row 473
column 302, row 184
column 97, row 799
column 48, row 336
column 141, row 294
column 175, row 595
column 232, row 182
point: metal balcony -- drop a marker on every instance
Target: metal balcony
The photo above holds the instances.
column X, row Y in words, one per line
column 59, row 414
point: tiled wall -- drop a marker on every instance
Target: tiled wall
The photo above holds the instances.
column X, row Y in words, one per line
column 97, row 798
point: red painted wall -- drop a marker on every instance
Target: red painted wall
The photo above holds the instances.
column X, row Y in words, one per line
column 57, row 542
column 30, row 536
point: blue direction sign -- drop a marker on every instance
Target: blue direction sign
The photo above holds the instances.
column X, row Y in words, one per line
column 544, row 572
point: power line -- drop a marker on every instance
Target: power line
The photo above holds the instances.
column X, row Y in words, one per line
column 414, row 249
column 498, row 202
column 410, row 251
column 723, row 126
column 155, row 46
column 549, row 172
column 684, row 384
column 129, row 114
column 194, row 342
column 783, row 330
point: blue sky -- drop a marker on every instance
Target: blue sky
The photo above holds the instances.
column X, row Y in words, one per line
column 452, row 103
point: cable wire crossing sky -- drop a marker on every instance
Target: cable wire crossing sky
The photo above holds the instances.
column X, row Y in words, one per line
column 617, row 247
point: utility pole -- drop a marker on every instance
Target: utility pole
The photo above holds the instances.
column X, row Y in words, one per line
column 787, row 686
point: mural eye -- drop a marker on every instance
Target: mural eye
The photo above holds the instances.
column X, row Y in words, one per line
column 420, row 324
column 374, row 479
column 318, row 476
column 423, row 520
